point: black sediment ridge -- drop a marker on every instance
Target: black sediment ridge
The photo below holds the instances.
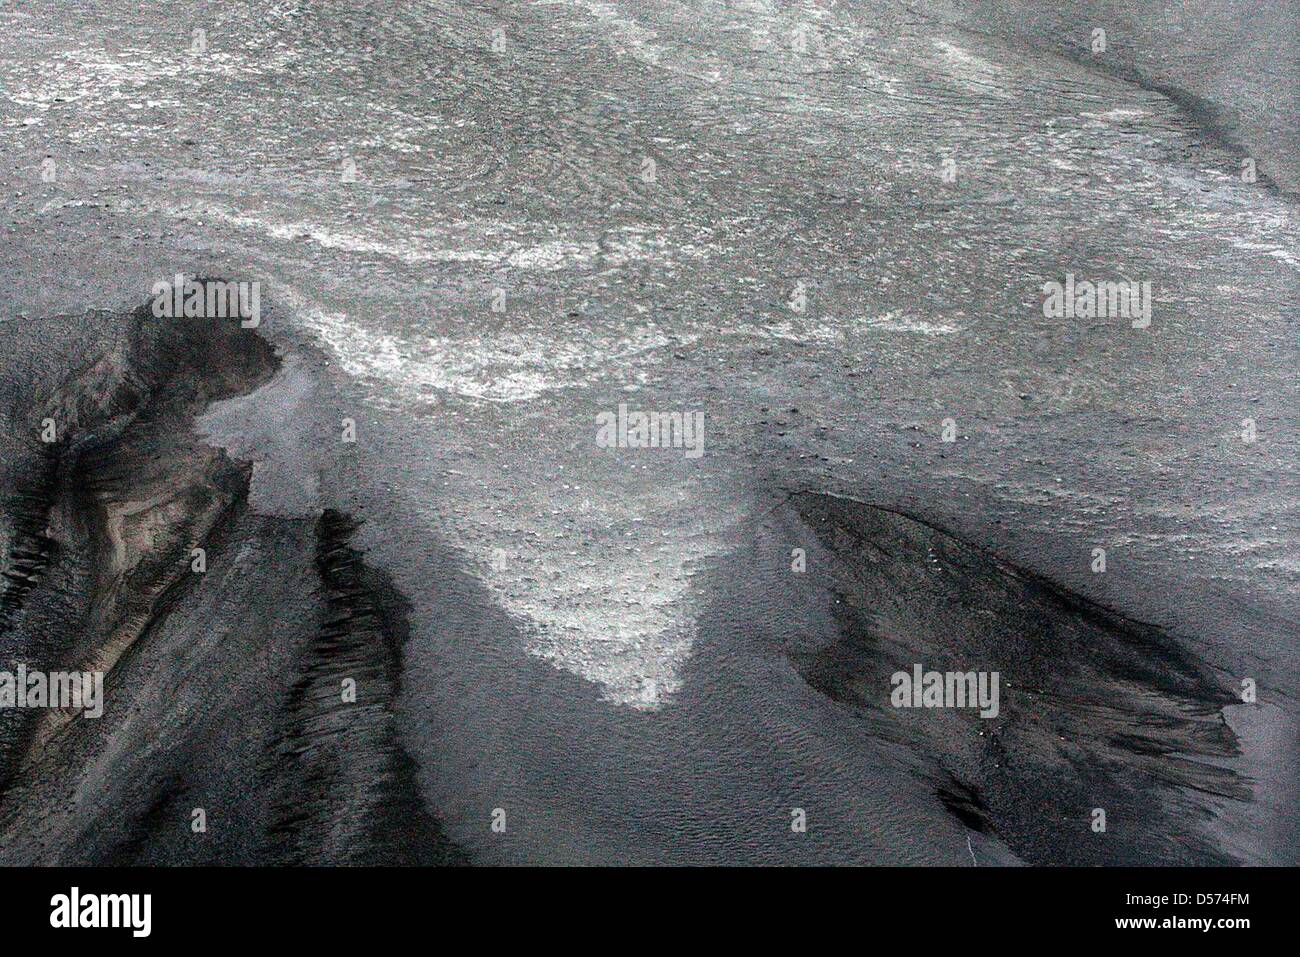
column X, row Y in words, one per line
column 99, row 561
column 1097, row 710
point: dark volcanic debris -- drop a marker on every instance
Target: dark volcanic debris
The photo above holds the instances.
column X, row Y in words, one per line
column 98, row 576
column 1096, row 710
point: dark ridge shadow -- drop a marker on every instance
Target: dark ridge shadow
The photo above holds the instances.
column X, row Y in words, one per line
column 31, row 550
column 345, row 789
column 965, row 805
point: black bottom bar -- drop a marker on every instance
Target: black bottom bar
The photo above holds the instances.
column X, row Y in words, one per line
column 338, row 906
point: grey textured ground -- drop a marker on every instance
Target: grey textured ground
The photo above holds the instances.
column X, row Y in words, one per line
column 601, row 642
